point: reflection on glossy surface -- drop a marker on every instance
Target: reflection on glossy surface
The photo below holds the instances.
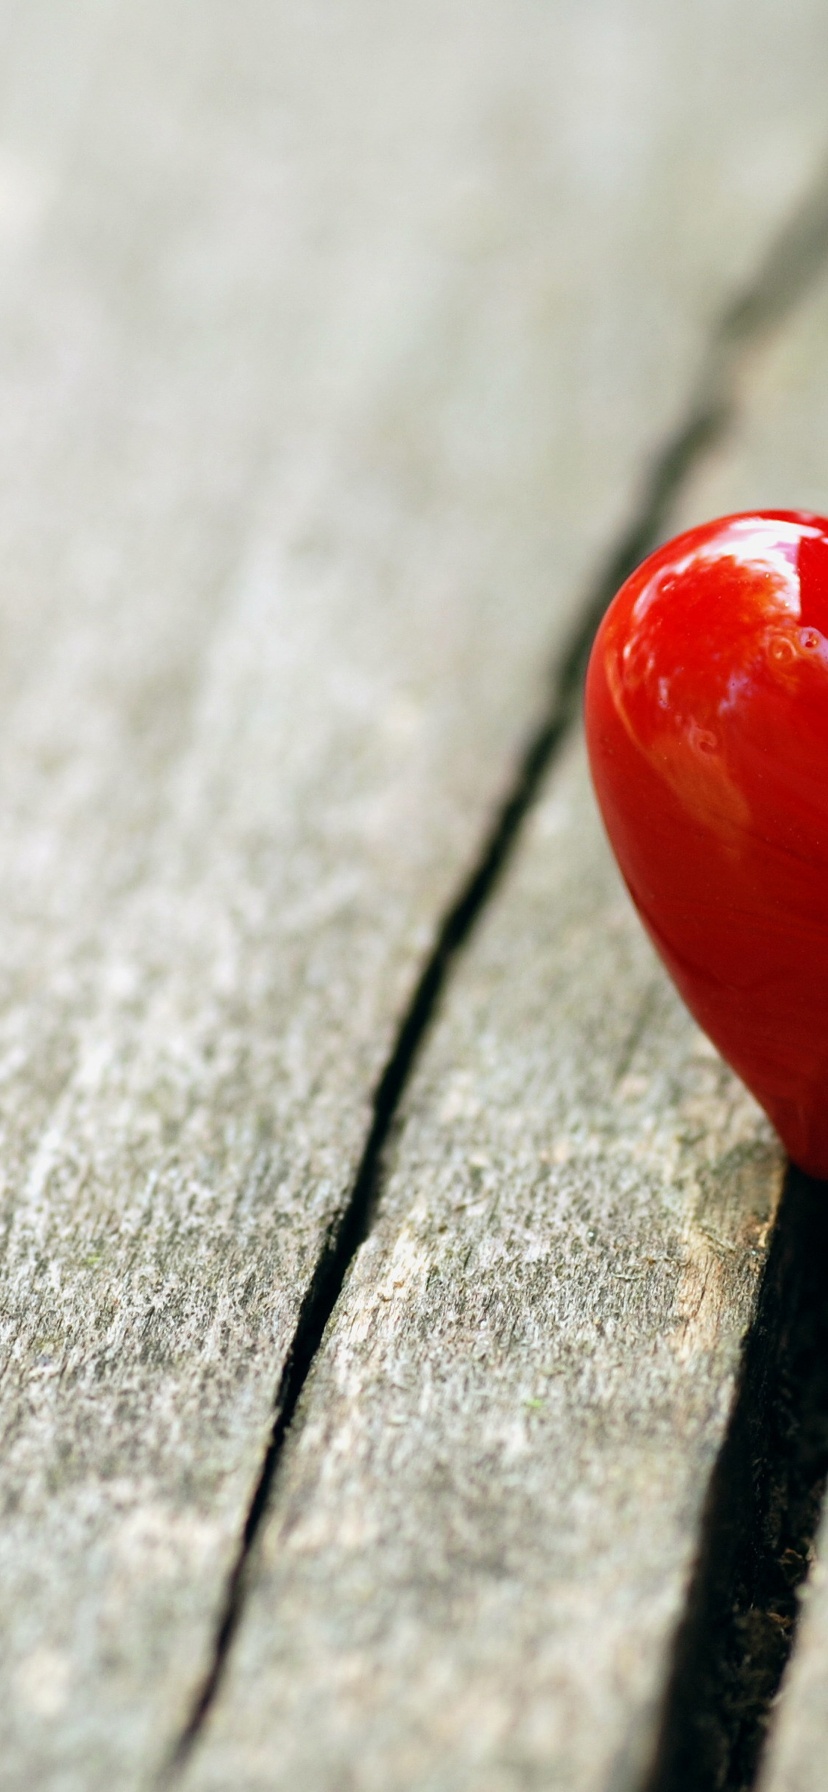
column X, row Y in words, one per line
column 707, row 724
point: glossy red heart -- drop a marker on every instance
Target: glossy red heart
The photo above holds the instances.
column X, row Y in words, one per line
column 707, row 724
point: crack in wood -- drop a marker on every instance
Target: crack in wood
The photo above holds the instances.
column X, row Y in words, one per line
column 763, row 1508
column 793, row 261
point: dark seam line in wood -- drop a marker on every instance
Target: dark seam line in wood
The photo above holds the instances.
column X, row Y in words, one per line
column 794, row 259
column 763, row 1508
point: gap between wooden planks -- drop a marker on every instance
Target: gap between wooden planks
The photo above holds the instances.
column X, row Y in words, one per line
column 324, row 338
column 790, row 433
column 728, row 1655
column 477, row 1556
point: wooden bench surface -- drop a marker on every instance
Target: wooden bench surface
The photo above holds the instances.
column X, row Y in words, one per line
column 343, row 348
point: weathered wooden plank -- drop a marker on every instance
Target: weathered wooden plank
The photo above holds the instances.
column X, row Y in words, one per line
column 481, row 1544
column 330, row 332
column 479, row 1549
column 788, row 432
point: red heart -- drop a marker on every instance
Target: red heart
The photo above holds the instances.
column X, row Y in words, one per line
column 707, row 724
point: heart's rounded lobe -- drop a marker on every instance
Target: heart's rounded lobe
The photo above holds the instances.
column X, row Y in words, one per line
column 707, row 726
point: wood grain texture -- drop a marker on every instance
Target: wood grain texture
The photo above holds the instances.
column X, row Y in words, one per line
column 480, row 1548
column 330, row 341
column 782, row 458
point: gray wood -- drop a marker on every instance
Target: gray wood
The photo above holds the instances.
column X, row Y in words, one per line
column 330, row 342
column 480, row 1549
column 478, row 1553
column 786, row 434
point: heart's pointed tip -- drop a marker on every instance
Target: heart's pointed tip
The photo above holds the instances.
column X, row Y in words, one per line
column 814, row 1169
column 810, row 1181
